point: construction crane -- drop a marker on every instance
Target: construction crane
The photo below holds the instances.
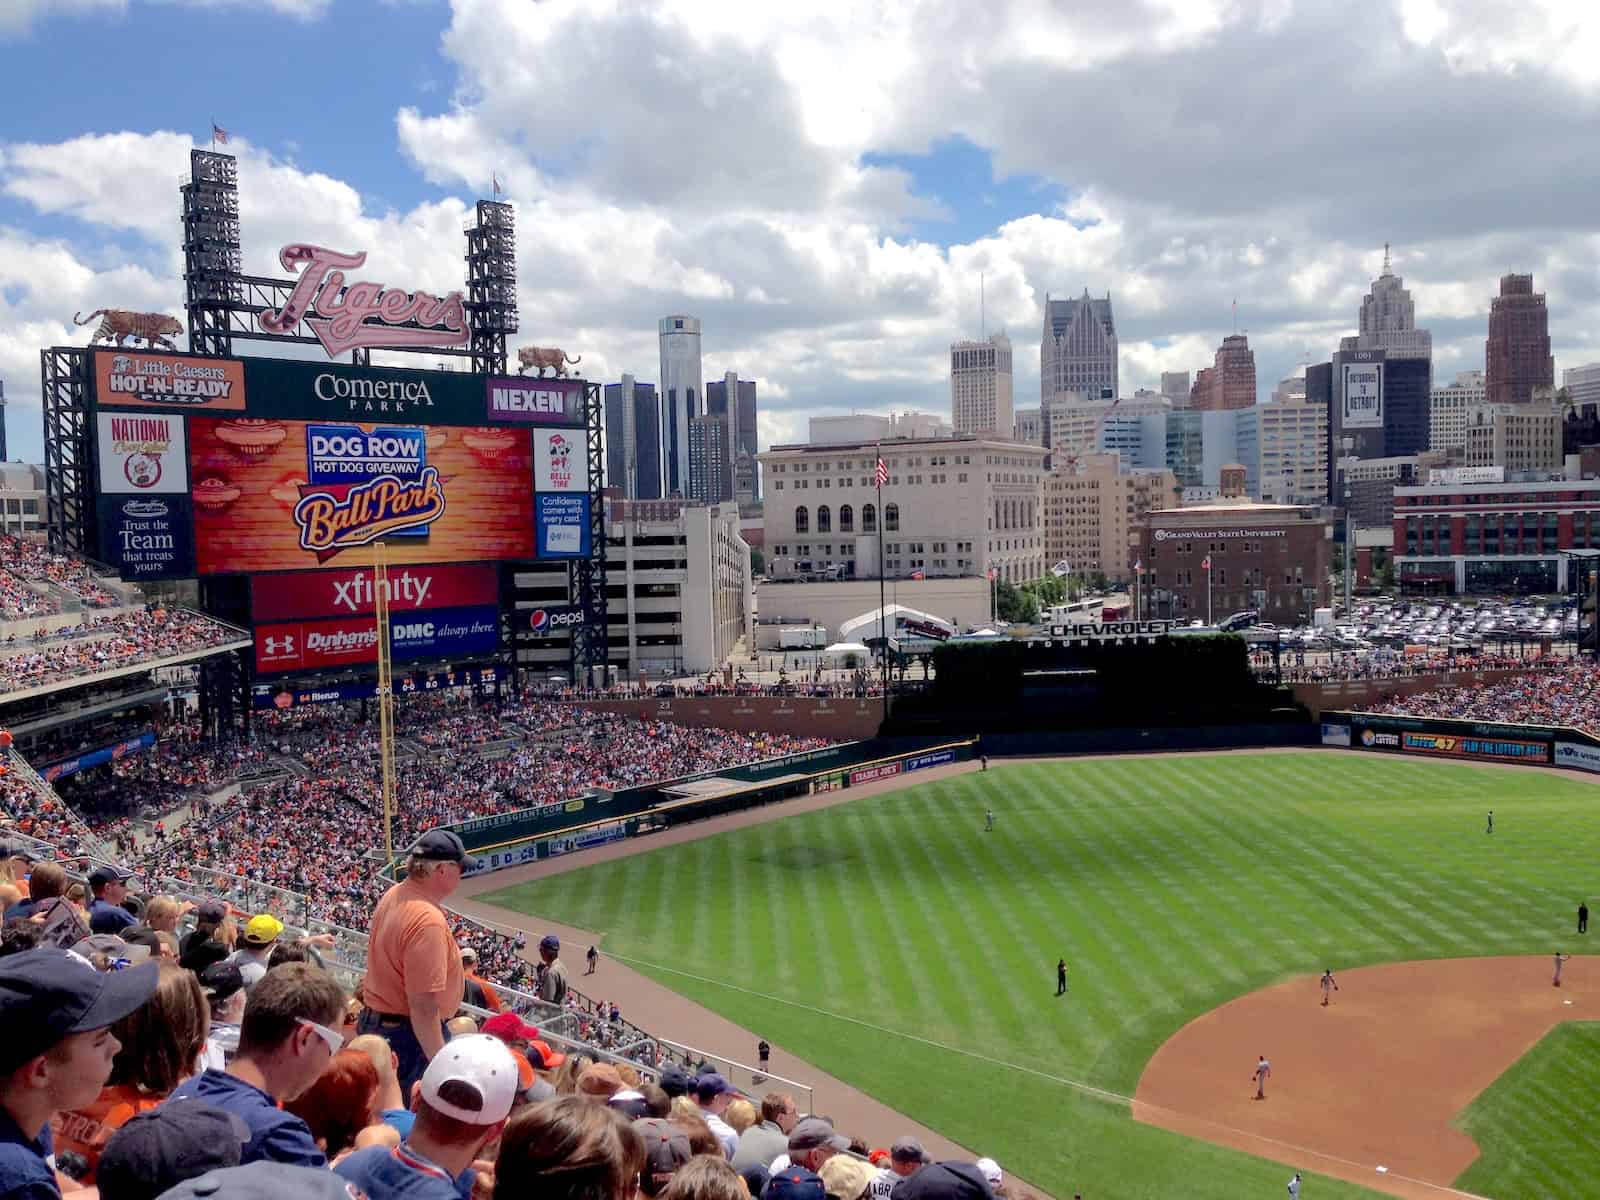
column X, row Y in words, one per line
column 1072, row 456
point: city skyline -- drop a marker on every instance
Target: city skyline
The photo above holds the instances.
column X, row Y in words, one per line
column 833, row 245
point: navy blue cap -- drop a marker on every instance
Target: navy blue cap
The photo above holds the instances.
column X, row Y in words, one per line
column 263, row 1180
column 107, row 873
column 795, row 1183
column 550, row 942
column 47, row 996
column 711, row 1085
column 159, row 1149
column 442, row 845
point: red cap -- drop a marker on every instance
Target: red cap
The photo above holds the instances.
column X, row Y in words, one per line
column 509, row 1027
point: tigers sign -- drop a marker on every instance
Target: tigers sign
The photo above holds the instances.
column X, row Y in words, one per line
column 346, row 316
column 129, row 379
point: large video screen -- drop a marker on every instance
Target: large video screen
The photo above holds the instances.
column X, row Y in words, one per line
column 294, row 495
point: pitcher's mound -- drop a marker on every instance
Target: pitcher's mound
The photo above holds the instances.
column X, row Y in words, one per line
column 1372, row 1080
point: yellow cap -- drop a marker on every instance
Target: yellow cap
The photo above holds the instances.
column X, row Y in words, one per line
column 263, row 929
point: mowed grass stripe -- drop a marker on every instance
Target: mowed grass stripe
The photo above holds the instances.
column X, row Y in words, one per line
column 1171, row 885
column 1535, row 1124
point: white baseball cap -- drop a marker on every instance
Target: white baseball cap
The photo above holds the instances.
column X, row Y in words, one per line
column 484, row 1065
column 990, row 1170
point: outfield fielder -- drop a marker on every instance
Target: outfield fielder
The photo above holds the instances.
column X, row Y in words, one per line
column 988, row 820
column 1329, row 984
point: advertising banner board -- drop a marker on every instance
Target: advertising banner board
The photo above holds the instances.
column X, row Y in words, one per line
column 138, row 379
column 353, row 641
column 562, row 525
column 301, row 595
column 535, row 401
column 147, row 537
column 141, row 454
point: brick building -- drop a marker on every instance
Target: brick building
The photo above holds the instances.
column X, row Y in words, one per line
column 1493, row 538
column 1273, row 558
column 1517, row 355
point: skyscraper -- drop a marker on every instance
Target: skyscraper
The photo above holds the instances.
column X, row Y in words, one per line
column 710, row 460
column 743, row 439
column 980, row 386
column 1078, row 349
column 633, row 439
column 1517, row 355
column 1388, row 321
column 682, row 397
column 1230, row 382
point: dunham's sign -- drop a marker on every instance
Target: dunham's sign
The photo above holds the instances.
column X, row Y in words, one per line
column 361, row 315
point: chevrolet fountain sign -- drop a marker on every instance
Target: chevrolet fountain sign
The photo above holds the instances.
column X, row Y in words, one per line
column 1108, row 631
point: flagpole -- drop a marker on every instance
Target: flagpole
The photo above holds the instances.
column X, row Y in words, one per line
column 883, row 638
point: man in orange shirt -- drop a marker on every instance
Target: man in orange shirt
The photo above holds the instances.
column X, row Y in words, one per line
column 414, row 973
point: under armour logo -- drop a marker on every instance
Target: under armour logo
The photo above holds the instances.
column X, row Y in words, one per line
column 284, row 645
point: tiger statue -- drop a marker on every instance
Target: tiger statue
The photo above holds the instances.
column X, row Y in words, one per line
column 118, row 323
column 545, row 356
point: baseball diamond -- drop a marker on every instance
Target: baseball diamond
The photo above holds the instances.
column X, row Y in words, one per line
column 891, row 943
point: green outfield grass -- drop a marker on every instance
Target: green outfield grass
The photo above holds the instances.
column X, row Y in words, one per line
column 898, row 946
column 1535, row 1125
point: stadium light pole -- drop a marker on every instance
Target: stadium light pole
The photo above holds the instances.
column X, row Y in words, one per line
column 380, row 593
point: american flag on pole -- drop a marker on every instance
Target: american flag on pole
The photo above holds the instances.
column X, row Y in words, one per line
column 1061, row 568
column 880, row 473
column 918, row 575
column 994, row 573
column 219, row 135
column 1138, row 567
column 1205, row 563
column 497, row 188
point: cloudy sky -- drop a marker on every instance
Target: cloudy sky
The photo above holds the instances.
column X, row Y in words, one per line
column 824, row 185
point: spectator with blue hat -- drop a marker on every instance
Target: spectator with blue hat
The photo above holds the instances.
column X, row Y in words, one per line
column 56, row 1055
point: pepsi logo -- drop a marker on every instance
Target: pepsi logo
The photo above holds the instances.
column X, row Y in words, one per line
column 545, row 620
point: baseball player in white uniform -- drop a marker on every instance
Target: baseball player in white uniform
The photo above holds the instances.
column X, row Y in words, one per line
column 1560, row 958
column 1261, row 1074
column 1294, row 1187
column 1329, row 984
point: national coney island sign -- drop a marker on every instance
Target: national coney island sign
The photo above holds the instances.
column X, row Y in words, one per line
column 361, row 315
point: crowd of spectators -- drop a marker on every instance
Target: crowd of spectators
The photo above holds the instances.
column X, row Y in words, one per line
column 1561, row 693
column 37, row 811
column 1339, row 667
column 23, row 562
column 319, row 831
column 124, row 640
column 231, row 1052
column 137, row 1067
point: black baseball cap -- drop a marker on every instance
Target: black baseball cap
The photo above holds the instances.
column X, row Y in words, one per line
column 48, row 995
column 159, row 1149
column 675, row 1080
column 107, row 873
column 221, row 980
column 442, row 845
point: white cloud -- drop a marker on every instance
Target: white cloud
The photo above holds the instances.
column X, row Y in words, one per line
column 19, row 16
column 708, row 157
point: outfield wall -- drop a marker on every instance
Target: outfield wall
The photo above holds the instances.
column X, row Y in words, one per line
column 1349, row 693
column 838, row 719
column 1467, row 741
column 549, row 831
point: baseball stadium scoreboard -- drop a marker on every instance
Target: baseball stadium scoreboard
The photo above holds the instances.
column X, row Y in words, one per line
column 290, row 473
column 283, row 484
